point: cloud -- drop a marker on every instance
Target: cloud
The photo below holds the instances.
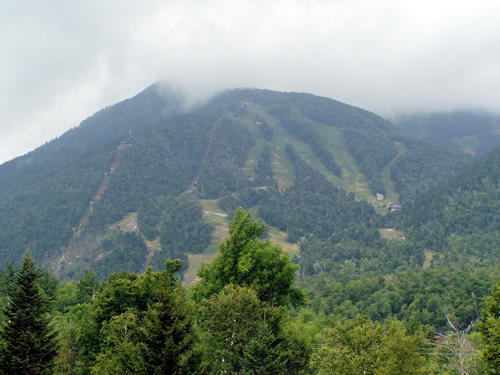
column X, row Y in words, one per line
column 62, row 61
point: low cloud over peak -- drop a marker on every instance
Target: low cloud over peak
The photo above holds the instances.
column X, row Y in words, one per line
column 63, row 62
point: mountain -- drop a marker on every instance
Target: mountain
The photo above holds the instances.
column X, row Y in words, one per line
column 109, row 125
column 473, row 132
column 444, row 257
column 145, row 180
column 461, row 216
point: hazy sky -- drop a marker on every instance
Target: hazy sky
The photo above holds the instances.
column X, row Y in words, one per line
column 61, row 61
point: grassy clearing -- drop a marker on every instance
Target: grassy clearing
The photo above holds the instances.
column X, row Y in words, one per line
column 128, row 223
column 221, row 232
column 195, row 262
column 467, row 144
column 390, row 192
column 221, row 229
column 279, row 237
column 391, row 234
column 153, row 245
column 429, row 256
column 352, row 179
column 210, row 205
column 283, row 170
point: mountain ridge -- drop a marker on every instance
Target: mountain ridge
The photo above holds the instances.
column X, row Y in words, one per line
column 238, row 149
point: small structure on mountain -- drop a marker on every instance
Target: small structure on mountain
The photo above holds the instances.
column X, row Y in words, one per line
column 379, row 196
column 394, row 207
column 246, row 104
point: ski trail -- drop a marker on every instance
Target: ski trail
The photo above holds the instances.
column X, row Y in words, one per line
column 97, row 198
column 205, row 157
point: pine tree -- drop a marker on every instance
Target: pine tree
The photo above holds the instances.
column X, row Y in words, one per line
column 29, row 341
column 490, row 330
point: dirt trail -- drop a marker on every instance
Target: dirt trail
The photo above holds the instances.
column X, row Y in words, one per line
column 147, row 261
column 97, row 198
column 190, row 188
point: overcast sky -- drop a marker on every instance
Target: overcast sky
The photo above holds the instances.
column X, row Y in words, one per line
column 61, row 61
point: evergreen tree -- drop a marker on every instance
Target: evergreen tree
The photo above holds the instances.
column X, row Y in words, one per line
column 242, row 335
column 490, row 330
column 154, row 336
column 29, row 339
column 87, row 287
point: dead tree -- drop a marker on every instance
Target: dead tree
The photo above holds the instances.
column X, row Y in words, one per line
column 456, row 348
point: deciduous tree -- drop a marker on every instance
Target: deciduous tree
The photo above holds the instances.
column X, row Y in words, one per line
column 247, row 260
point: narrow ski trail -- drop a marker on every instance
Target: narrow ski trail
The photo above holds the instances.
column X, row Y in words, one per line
column 192, row 187
column 97, row 198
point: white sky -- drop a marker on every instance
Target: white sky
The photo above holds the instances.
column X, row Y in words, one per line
column 61, row 61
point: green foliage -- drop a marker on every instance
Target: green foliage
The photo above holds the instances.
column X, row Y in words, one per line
column 422, row 167
column 158, row 340
column 372, row 150
column 305, row 133
column 220, row 171
column 154, row 157
column 87, row 287
column 42, row 215
column 417, row 296
column 266, row 131
column 312, row 205
column 159, row 163
column 140, row 324
column 123, row 351
column 122, row 251
column 363, row 247
column 490, row 330
column 8, row 279
column 245, row 259
column 182, row 230
column 244, row 336
column 29, row 340
column 264, row 170
column 67, row 361
column 466, row 205
column 361, row 346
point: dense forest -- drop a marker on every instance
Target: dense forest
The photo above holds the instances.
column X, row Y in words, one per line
column 334, row 281
column 265, row 150
column 245, row 316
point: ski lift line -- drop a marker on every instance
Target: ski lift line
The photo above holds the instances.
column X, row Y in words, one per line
column 205, row 156
column 97, row 198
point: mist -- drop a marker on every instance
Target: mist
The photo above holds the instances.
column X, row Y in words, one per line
column 63, row 61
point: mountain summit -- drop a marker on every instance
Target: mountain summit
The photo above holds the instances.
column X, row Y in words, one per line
column 144, row 180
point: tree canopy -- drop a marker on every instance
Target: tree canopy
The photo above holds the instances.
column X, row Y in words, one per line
column 490, row 330
column 29, row 340
column 247, row 260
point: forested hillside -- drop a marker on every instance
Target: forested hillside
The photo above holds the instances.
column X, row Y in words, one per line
column 444, row 259
column 371, row 238
column 462, row 213
column 309, row 166
column 245, row 315
column 473, row 132
column 109, row 125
